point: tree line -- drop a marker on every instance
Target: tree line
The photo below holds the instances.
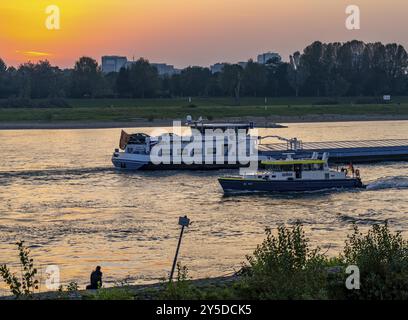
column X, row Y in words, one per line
column 335, row 69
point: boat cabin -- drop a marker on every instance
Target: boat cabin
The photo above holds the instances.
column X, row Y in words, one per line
column 297, row 169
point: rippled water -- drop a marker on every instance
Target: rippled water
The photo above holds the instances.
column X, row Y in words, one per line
column 59, row 193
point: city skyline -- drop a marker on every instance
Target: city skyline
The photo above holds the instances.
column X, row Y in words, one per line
column 182, row 33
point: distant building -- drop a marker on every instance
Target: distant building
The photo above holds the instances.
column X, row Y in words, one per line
column 165, row 69
column 218, row 67
column 113, row 63
column 264, row 58
column 243, row 64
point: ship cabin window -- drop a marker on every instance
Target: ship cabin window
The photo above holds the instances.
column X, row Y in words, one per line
column 312, row 167
column 307, row 167
column 286, row 168
column 290, row 168
column 319, row 167
column 281, row 168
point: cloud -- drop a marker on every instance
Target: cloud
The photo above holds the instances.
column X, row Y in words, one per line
column 34, row 54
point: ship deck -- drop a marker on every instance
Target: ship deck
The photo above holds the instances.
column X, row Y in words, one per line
column 344, row 151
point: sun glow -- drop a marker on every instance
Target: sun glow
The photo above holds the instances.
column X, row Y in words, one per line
column 184, row 32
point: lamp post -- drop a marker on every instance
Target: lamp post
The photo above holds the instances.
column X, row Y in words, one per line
column 183, row 222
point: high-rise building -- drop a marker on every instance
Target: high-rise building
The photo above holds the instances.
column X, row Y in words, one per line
column 165, row 69
column 243, row 64
column 215, row 68
column 113, row 63
column 265, row 58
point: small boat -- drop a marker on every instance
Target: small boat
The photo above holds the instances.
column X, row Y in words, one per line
column 290, row 175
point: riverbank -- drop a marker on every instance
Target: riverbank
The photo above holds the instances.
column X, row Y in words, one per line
column 269, row 122
column 134, row 292
column 122, row 113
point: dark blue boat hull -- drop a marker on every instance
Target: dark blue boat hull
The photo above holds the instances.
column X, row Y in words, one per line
column 233, row 185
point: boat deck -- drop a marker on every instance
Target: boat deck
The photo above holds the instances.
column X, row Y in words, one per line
column 344, row 151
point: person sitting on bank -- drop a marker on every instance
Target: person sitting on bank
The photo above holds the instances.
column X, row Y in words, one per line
column 96, row 279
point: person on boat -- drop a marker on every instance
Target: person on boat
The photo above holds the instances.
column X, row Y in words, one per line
column 96, row 279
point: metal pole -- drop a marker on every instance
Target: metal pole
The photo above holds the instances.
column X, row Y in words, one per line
column 175, row 257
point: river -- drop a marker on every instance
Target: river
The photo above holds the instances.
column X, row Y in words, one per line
column 59, row 193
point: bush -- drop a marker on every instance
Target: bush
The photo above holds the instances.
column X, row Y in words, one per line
column 112, row 294
column 284, row 267
column 180, row 289
column 27, row 284
column 382, row 258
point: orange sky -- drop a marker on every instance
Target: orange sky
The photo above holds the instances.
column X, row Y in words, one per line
column 188, row 32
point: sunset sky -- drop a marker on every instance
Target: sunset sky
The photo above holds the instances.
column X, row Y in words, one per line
column 188, row 32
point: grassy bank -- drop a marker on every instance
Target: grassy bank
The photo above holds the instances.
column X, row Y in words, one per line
column 122, row 110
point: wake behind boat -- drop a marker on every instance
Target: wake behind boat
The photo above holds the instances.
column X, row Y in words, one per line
column 290, row 175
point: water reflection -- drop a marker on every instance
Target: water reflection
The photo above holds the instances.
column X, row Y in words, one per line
column 59, row 192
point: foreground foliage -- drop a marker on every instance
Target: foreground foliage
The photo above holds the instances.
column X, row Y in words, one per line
column 26, row 283
column 382, row 258
column 283, row 266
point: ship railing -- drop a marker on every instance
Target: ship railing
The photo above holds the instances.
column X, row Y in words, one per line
column 350, row 144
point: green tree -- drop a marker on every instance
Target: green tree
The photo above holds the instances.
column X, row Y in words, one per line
column 86, row 78
column 143, row 79
column 122, row 85
column 297, row 72
column 195, row 81
column 4, row 88
column 231, row 80
column 45, row 80
column 24, row 79
column 254, row 78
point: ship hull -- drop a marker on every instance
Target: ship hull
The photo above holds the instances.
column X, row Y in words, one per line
column 132, row 165
column 125, row 164
column 234, row 185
